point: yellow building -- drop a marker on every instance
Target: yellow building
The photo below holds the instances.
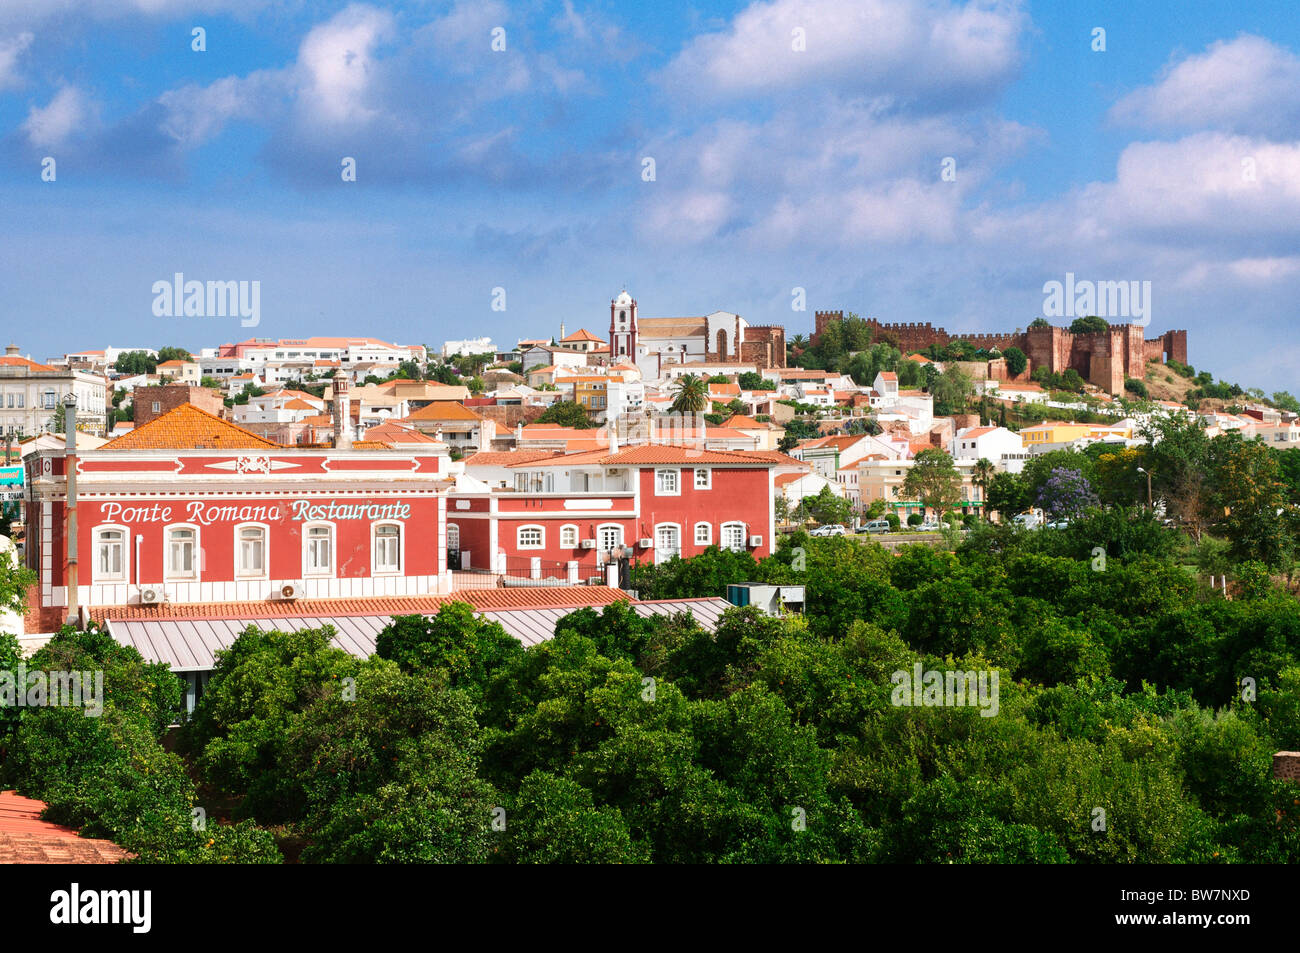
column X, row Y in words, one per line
column 591, row 392
column 1051, row 433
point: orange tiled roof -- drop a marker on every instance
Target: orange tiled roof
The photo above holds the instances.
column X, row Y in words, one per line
column 26, row 839
column 23, row 362
column 396, row 433
column 582, row 334
column 740, row 420
column 444, row 410
column 524, row 597
column 506, row 457
column 189, row 428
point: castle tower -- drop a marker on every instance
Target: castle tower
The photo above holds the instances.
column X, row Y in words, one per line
column 622, row 328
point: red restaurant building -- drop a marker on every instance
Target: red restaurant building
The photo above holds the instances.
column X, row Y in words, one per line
column 191, row 509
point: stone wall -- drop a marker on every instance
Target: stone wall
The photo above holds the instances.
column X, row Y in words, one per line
column 1104, row 358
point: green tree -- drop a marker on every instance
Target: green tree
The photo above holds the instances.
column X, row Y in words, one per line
column 933, row 479
column 951, row 390
column 690, row 394
column 1016, row 361
column 133, row 363
column 1089, row 325
column 566, row 413
column 981, row 475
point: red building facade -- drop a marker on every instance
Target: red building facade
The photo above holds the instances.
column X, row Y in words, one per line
column 233, row 519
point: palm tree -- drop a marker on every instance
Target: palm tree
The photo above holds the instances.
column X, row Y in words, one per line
column 981, row 476
column 691, row 395
column 799, row 342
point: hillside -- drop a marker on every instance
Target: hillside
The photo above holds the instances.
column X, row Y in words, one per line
column 1163, row 384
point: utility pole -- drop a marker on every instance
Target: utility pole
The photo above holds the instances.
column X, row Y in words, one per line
column 1148, row 473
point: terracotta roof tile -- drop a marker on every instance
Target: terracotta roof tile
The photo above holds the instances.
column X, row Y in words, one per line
column 26, row 839
column 444, row 410
column 189, row 428
column 524, row 597
column 582, row 334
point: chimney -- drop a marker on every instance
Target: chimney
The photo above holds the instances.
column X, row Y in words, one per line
column 1286, row 766
column 342, row 411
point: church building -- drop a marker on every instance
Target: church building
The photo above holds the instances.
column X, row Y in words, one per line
column 721, row 337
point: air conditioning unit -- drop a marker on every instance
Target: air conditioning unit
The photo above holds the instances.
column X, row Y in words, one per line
column 645, row 543
column 290, row 591
column 588, row 544
column 151, row 596
column 756, row 540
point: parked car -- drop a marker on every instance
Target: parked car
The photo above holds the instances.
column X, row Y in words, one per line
column 876, row 526
column 1058, row 524
column 1027, row 520
column 830, row 529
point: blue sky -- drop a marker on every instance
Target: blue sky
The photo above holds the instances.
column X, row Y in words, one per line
column 775, row 168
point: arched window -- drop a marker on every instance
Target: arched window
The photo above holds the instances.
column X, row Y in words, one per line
column 387, row 547
column 250, row 551
column 668, row 542
column 530, row 537
column 733, row 536
column 182, row 552
column 111, row 554
column 453, row 537
column 569, row 536
column 703, row 534
column 609, row 537
column 318, row 549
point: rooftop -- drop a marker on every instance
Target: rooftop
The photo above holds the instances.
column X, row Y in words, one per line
column 189, row 428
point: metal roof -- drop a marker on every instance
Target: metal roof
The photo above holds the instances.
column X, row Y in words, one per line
column 190, row 645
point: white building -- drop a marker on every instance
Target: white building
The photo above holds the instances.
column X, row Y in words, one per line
column 467, row 347
column 1005, row 449
column 30, row 395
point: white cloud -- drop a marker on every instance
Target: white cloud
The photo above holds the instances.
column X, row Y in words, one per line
column 1246, row 85
column 337, row 65
column 52, row 125
column 11, row 48
column 933, row 50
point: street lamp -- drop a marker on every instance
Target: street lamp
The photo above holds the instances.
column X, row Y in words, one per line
column 1148, row 473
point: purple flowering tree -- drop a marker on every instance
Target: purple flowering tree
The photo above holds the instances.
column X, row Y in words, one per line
column 1067, row 493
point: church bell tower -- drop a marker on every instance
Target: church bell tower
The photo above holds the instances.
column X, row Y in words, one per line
column 622, row 329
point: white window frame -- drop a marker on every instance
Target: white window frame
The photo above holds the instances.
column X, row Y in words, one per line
column 662, row 555
column 600, row 533
column 307, row 570
column 677, row 481
column 519, row 536
column 124, row 575
column 708, row 478
column 706, row 538
column 240, row 571
column 453, row 530
column 375, row 568
column 570, row 536
column 196, row 559
column 731, row 525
